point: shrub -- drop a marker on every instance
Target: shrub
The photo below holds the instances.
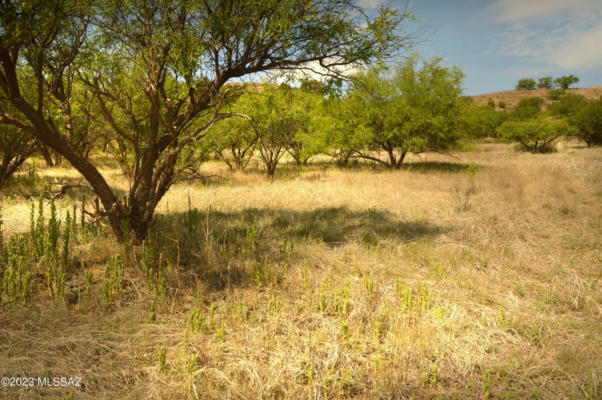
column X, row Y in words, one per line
column 526, row 84
column 501, row 104
column 535, row 135
column 568, row 105
column 491, row 103
column 527, row 108
column 555, row 94
column 588, row 122
column 480, row 122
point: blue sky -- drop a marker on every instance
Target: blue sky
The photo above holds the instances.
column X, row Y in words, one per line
column 498, row 42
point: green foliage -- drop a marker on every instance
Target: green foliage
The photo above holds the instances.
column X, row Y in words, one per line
column 162, row 350
column 533, row 101
column 546, row 82
column 309, row 107
column 568, row 105
column 113, row 280
column 565, row 81
column 588, row 121
column 491, row 103
column 152, row 77
column 480, row 122
column 15, row 271
column 153, row 312
column 410, row 109
column 535, row 134
column 233, row 139
column 15, row 147
column 527, row 108
column 281, row 119
column 346, row 134
column 501, row 104
column 526, row 84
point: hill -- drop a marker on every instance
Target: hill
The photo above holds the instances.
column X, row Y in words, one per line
column 512, row 97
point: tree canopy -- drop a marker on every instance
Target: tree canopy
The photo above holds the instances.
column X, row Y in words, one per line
column 154, row 74
column 413, row 108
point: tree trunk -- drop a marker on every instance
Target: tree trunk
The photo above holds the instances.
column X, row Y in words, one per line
column 402, row 156
column 45, row 153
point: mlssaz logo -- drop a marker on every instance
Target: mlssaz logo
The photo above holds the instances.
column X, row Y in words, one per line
column 60, row 381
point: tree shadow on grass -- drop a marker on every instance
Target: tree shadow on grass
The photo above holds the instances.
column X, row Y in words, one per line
column 417, row 166
column 438, row 166
column 220, row 246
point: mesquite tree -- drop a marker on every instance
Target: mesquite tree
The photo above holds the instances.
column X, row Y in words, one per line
column 157, row 70
column 412, row 109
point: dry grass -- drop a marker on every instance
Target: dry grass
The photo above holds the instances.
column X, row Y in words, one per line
column 500, row 251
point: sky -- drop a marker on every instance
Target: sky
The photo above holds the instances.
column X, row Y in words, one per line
column 498, row 42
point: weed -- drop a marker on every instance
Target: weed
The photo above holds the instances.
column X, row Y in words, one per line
column 486, row 385
column 193, row 360
column 153, row 312
column 162, row 350
column 113, row 280
column 88, row 280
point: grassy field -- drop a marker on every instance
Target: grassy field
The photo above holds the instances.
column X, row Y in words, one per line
column 470, row 277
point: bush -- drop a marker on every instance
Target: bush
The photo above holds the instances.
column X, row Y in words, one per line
column 491, row 103
column 531, row 101
column 568, row 105
column 501, row 104
column 555, row 94
column 526, row 84
column 481, row 122
column 535, row 135
column 588, row 121
column 527, row 108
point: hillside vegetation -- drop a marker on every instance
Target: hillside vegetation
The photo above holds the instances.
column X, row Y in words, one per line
column 512, row 97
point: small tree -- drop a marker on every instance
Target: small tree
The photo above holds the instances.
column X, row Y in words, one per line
column 413, row 110
column 234, row 140
column 536, row 134
column 565, row 82
column 274, row 122
column 346, row 135
column 546, row 82
column 307, row 105
column 526, row 84
column 588, row 121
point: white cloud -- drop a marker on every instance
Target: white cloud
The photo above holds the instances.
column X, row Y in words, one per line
column 551, row 32
column 582, row 50
column 517, row 10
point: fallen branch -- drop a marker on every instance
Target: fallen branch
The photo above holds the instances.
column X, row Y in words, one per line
column 49, row 195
